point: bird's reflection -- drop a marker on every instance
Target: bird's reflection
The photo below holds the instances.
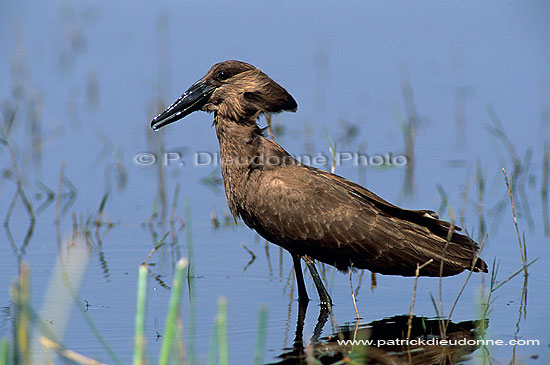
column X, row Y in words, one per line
column 387, row 345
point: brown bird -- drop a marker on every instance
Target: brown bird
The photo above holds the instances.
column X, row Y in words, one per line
column 313, row 214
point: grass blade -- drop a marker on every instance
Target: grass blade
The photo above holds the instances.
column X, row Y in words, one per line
column 5, row 352
column 222, row 332
column 261, row 336
column 212, row 358
column 20, row 294
column 514, row 274
column 173, row 314
column 139, row 349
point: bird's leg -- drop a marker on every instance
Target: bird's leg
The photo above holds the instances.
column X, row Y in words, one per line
column 302, row 292
column 326, row 301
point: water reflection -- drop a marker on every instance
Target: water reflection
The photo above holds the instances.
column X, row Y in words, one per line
column 19, row 251
column 386, row 338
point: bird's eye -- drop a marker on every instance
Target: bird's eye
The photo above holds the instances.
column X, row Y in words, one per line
column 222, row 75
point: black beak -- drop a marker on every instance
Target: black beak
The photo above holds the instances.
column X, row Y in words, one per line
column 191, row 100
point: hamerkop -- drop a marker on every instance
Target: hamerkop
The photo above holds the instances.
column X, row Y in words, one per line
column 313, row 214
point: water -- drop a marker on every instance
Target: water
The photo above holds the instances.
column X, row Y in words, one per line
column 92, row 77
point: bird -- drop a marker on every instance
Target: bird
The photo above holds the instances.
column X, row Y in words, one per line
column 313, row 214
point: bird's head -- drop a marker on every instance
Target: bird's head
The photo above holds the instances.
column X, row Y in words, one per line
column 231, row 89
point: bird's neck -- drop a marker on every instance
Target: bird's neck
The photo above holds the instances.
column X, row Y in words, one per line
column 237, row 141
column 245, row 155
column 239, row 145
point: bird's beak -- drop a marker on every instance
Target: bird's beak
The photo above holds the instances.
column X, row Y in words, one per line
column 191, row 100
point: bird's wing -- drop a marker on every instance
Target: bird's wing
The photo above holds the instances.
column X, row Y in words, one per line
column 309, row 211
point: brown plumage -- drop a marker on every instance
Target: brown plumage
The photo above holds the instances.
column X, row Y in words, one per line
column 309, row 212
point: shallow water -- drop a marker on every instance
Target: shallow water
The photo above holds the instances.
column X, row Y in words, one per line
column 91, row 77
